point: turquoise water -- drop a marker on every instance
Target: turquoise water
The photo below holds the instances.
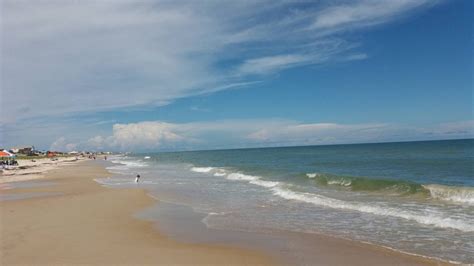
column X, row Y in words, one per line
column 430, row 162
column 416, row 197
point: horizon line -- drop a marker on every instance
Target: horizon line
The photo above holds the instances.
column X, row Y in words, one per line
column 297, row 146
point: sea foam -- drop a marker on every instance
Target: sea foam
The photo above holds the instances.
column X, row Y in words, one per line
column 431, row 218
column 428, row 219
column 130, row 164
column 240, row 176
column 463, row 195
column 202, row 169
column 220, row 174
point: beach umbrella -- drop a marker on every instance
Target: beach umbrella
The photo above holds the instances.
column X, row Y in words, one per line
column 6, row 154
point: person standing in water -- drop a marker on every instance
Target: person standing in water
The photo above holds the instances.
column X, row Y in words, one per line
column 137, row 178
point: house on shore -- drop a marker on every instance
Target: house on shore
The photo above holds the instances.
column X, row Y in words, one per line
column 26, row 150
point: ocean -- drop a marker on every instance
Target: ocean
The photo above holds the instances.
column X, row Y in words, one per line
column 415, row 197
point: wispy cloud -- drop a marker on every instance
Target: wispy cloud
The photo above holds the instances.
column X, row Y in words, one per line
column 63, row 57
column 363, row 13
column 272, row 63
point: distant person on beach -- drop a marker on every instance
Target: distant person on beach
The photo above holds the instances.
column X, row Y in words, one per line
column 137, row 178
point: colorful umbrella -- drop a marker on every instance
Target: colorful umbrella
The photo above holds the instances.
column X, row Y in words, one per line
column 6, row 154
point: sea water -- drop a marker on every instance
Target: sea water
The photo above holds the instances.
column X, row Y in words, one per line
column 415, row 197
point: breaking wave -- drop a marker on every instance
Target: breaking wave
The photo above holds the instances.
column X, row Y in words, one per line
column 463, row 195
column 220, row 174
column 122, row 166
column 130, row 164
column 312, row 175
column 422, row 218
column 202, row 169
column 366, row 184
column 427, row 217
column 256, row 180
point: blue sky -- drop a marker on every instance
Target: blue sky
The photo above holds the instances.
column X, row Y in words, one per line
column 201, row 75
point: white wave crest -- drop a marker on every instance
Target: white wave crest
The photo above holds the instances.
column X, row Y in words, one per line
column 202, row 169
column 312, row 175
column 252, row 180
column 340, row 182
column 125, row 166
column 462, row 195
column 220, row 174
column 239, row 176
column 129, row 164
column 428, row 219
column 264, row 183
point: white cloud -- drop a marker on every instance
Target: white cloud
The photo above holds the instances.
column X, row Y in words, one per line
column 62, row 145
column 150, row 135
column 363, row 13
column 272, row 63
column 62, row 57
column 97, row 143
column 158, row 135
column 320, row 133
column 81, row 56
column 459, row 128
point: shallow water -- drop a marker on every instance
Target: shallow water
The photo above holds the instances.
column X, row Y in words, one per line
column 415, row 197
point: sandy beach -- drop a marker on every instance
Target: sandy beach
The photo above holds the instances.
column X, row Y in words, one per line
column 74, row 220
column 206, row 132
column 93, row 225
column 34, row 169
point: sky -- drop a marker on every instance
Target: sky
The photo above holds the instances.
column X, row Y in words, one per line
column 187, row 75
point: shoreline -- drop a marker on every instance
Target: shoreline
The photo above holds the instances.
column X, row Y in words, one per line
column 260, row 241
column 91, row 224
column 327, row 249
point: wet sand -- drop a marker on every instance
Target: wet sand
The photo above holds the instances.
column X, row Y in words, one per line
column 74, row 220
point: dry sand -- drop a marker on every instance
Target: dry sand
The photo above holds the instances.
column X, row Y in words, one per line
column 34, row 169
column 89, row 224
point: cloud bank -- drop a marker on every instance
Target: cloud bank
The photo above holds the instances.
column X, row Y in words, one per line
column 158, row 135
